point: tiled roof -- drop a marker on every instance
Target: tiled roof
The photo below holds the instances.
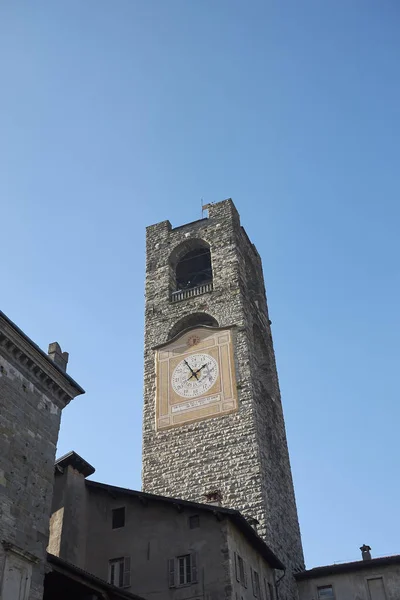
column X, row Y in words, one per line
column 65, row 567
column 347, row 567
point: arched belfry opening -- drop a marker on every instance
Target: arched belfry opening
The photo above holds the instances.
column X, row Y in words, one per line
column 191, row 270
column 193, row 320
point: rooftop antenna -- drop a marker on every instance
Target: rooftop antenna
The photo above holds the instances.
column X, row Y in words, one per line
column 204, row 207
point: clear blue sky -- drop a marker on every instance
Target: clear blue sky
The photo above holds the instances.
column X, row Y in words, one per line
column 116, row 115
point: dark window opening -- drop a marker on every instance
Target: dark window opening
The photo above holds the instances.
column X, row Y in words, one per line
column 194, row 269
column 194, row 521
column 118, row 517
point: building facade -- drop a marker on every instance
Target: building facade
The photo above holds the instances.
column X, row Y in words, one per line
column 154, row 546
column 213, row 420
column 367, row 579
column 34, row 388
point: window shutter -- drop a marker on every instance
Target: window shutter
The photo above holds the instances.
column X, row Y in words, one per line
column 112, row 573
column 127, row 571
column 171, row 572
column 245, row 574
column 237, row 567
column 194, row 567
column 253, row 583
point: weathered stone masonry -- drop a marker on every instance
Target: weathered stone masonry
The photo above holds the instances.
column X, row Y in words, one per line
column 244, row 455
column 33, row 391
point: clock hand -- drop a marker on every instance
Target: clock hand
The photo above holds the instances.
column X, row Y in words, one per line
column 193, row 373
column 198, row 371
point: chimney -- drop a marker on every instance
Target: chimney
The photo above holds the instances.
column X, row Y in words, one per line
column 214, row 498
column 59, row 358
column 365, row 552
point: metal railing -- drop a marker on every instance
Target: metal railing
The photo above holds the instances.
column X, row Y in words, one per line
column 190, row 293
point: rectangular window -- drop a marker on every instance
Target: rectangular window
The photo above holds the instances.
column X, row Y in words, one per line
column 119, row 572
column 255, row 580
column 118, row 517
column 17, row 576
column 194, row 521
column 325, row 593
column 376, row 588
column 182, row 570
column 240, row 568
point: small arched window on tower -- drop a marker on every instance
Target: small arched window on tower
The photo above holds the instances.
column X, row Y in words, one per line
column 191, row 271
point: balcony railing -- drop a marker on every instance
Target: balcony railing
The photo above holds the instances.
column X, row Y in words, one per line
column 190, row 293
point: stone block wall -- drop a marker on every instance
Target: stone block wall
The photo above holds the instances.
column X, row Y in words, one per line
column 32, row 395
column 244, row 454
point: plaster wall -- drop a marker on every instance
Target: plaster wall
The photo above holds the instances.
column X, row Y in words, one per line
column 68, row 523
column 154, row 533
column 354, row 585
column 253, row 560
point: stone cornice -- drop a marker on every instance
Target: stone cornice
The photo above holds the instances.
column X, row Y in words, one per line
column 37, row 366
column 10, row 547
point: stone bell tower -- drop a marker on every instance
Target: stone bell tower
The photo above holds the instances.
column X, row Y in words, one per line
column 213, row 420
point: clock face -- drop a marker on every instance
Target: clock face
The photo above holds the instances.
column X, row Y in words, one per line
column 194, row 375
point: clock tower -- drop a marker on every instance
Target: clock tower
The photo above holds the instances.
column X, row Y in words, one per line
column 213, row 420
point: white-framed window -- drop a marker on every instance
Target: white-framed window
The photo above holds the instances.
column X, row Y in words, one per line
column 240, row 569
column 119, row 571
column 182, row 570
column 325, row 592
